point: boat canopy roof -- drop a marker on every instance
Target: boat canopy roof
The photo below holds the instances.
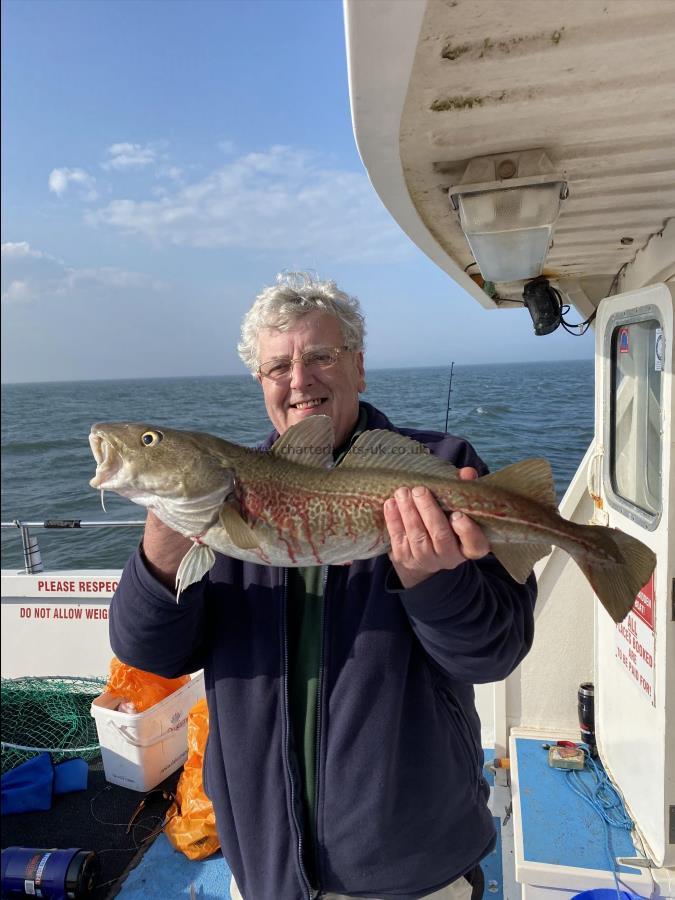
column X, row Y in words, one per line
column 436, row 84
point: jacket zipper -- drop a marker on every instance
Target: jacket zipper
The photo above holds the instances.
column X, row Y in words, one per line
column 319, row 711
column 286, row 745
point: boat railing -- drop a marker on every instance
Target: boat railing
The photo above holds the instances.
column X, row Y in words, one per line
column 31, row 549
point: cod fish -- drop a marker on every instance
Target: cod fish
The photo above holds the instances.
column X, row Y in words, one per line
column 291, row 506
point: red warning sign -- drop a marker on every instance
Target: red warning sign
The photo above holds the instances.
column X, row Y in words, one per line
column 644, row 604
column 635, row 642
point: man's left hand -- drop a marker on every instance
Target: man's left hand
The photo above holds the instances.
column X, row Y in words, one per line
column 423, row 540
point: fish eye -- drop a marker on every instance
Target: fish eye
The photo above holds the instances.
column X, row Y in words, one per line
column 151, row 438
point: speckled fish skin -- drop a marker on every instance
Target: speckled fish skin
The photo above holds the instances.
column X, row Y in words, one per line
column 291, row 507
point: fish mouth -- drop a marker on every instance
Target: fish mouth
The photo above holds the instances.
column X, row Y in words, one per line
column 108, row 462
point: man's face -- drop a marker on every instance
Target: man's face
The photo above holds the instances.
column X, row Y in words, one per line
column 295, row 397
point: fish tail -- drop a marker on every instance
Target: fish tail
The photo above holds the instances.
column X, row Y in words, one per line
column 617, row 580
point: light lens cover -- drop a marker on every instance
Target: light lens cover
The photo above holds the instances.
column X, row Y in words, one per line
column 510, row 230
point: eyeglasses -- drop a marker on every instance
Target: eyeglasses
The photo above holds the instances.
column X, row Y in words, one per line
column 320, row 358
column 172, row 811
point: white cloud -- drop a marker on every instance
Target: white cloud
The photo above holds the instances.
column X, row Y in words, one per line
column 281, row 200
column 29, row 275
column 64, row 322
column 129, row 156
column 108, row 277
column 60, row 179
column 172, row 172
column 19, row 249
column 17, row 291
column 27, row 272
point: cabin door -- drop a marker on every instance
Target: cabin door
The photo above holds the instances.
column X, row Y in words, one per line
column 633, row 483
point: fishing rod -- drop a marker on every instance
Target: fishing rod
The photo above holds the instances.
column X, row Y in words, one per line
column 447, row 410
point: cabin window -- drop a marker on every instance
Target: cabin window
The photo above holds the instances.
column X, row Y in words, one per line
column 635, row 398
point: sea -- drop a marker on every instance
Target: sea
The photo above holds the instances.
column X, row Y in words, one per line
column 509, row 412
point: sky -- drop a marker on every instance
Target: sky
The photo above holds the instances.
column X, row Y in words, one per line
column 163, row 160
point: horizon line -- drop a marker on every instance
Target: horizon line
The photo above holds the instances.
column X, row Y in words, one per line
column 527, row 362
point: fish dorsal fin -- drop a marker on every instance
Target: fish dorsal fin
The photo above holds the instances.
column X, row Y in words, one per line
column 308, row 443
column 381, row 449
column 519, row 559
column 532, row 478
column 238, row 531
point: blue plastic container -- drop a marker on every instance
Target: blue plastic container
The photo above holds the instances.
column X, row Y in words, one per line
column 51, row 874
column 606, row 894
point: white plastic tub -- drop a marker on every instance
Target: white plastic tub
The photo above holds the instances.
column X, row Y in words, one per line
column 140, row 750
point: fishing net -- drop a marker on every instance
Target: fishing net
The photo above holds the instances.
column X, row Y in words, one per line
column 48, row 714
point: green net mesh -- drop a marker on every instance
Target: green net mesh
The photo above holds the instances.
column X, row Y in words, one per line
column 48, row 714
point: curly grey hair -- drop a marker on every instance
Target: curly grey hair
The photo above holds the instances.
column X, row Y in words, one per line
column 296, row 294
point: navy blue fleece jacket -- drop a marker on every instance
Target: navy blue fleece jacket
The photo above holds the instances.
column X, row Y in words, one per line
column 401, row 800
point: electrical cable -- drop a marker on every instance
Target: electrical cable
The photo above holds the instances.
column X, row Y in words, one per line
column 487, row 286
column 568, row 326
column 605, row 800
column 615, row 281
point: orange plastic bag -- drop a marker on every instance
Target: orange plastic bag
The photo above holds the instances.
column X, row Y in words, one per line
column 192, row 825
column 143, row 689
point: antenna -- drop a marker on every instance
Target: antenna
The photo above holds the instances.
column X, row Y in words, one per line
column 447, row 410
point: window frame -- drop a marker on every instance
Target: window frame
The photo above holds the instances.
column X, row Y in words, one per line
column 616, row 501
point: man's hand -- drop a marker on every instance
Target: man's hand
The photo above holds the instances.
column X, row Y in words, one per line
column 423, row 540
column 163, row 550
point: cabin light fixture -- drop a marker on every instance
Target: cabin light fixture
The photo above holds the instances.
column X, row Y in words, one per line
column 508, row 205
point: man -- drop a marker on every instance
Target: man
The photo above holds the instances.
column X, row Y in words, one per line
column 344, row 753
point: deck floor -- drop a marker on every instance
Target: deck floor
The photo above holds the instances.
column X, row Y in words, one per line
column 95, row 819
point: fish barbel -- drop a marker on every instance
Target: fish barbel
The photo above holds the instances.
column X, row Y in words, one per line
column 291, row 506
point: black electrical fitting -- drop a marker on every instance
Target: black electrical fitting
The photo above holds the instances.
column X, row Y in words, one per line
column 543, row 304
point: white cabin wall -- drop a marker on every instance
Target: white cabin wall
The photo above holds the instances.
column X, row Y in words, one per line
column 562, row 654
column 542, row 693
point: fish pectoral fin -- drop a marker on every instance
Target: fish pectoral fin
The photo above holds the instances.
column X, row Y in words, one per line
column 532, row 478
column 519, row 559
column 238, row 531
column 308, row 443
column 193, row 566
column 381, row 449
